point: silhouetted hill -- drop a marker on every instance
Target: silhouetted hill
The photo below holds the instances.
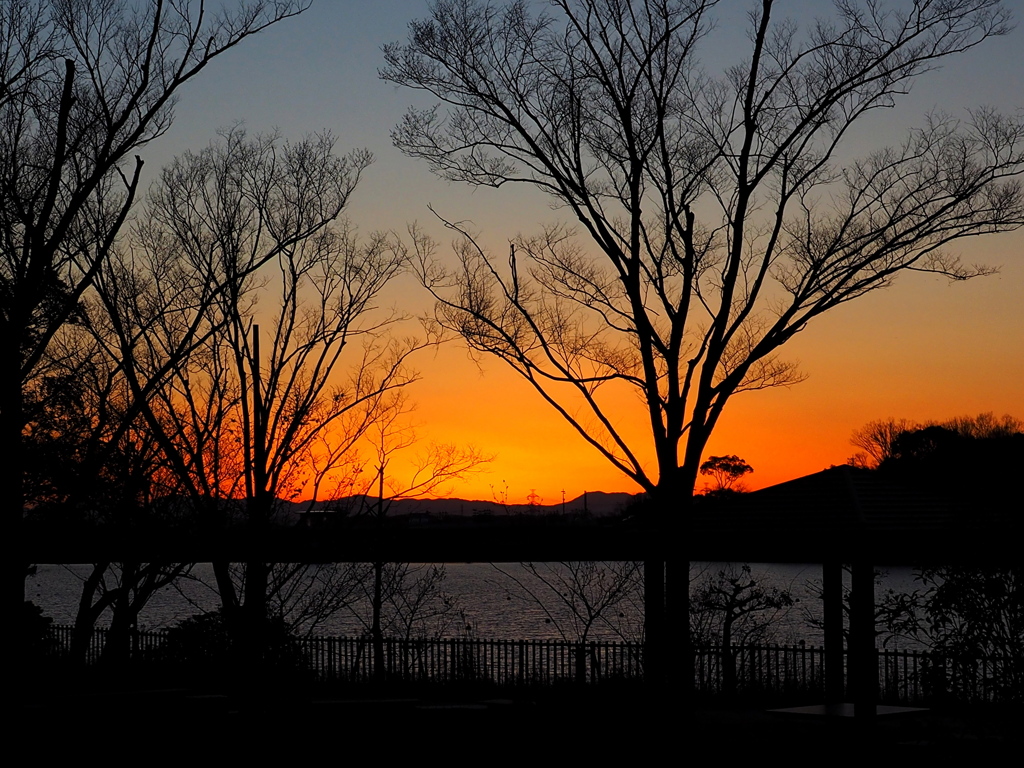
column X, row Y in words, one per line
column 591, row 504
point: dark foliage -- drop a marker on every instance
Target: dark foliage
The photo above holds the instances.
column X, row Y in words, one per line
column 957, row 461
column 972, row 620
column 207, row 647
column 34, row 628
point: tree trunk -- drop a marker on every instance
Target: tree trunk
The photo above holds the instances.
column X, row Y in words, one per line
column 655, row 624
column 253, row 616
column 226, row 588
column 677, row 599
column 88, row 612
column 117, row 651
column 12, row 501
column 375, row 629
column 863, row 660
column 832, row 610
column 727, row 658
column 378, row 586
column 667, row 600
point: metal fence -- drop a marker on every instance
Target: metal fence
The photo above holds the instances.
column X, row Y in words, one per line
column 920, row 677
column 777, row 669
column 906, row 677
column 502, row 662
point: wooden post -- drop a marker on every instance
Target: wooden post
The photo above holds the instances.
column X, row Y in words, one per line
column 832, row 609
column 863, row 659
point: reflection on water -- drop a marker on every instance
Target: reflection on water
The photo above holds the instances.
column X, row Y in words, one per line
column 488, row 604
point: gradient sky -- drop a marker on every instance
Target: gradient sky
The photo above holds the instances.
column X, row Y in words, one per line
column 922, row 349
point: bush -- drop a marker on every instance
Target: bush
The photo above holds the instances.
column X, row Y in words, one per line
column 209, row 646
column 35, row 627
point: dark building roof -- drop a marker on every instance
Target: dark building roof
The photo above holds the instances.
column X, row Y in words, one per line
column 844, row 513
column 849, row 513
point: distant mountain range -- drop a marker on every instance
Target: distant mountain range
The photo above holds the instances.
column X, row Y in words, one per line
column 591, row 503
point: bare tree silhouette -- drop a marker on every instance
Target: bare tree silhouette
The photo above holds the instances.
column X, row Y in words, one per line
column 719, row 215
column 578, row 597
column 82, row 86
column 406, row 599
column 246, row 232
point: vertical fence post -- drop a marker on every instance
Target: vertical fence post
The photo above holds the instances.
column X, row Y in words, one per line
column 909, row 677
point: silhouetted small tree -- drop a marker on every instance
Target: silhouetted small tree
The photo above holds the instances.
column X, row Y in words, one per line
column 730, row 607
column 406, row 600
column 726, row 472
column 581, row 598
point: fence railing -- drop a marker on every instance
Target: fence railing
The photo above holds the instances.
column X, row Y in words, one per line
column 502, row 662
column 904, row 677
column 908, row 677
column 761, row 668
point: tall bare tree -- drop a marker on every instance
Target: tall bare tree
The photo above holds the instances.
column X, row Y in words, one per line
column 404, row 599
column 719, row 214
column 83, row 85
column 250, row 228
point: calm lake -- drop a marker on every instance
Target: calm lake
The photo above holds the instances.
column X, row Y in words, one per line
column 500, row 601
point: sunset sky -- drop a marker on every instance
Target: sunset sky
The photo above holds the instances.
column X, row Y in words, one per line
column 923, row 349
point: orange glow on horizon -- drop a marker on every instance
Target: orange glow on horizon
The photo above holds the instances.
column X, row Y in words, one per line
column 922, row 350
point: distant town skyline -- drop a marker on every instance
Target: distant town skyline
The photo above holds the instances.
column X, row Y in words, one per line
column 921, row 350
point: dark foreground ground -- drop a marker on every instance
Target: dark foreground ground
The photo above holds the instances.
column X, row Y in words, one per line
column 476, row 727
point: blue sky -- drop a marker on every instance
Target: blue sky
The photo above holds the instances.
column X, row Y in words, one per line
column 922, row 349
